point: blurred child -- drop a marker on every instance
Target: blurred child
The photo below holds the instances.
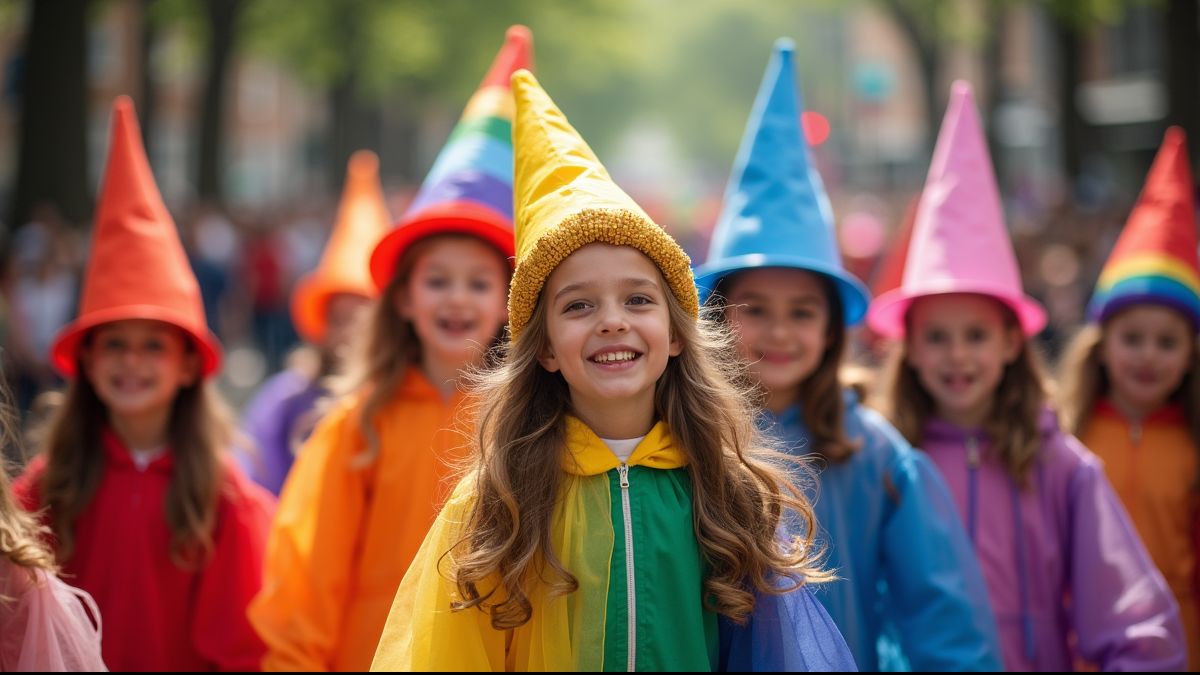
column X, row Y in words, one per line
column 1067, row 575
column 369, row 482
column 893, row 535
column 618, row 502
column 329, row 309
column 1131, row 384
column 147, row 513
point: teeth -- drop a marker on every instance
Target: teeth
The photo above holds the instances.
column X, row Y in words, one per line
column 614, row 356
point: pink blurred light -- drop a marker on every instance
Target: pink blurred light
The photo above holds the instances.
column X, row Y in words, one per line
column 816, row 127
column 861, row 235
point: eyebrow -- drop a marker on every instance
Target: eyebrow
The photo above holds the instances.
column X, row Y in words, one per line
column 636, row 282
column 809, row 299
column 450, row 267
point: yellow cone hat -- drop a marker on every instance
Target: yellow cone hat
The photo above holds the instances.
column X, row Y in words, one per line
column 564, row 199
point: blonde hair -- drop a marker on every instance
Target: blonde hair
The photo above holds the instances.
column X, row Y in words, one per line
column 1012, row 425
column 20, row 535
column 200, row 429
column 1083, row 380
column 820, row 394
column 742, row 494
column 390, row 346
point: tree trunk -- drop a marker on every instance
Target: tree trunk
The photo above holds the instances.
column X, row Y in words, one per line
column 993, row 64
column 147, row 105
column 925, row 44
column 52, row 158
column 1182, row 44
column 351, row 127
column 1072, row 126
column 222, row 20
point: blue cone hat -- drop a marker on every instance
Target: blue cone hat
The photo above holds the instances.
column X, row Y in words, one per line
column 776, row 212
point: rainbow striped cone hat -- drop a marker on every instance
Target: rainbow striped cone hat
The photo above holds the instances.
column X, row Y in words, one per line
column 1155, row 256
column 469, row 189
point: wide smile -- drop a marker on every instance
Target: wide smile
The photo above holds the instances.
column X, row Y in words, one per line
column 615, row 359
column 456, row 326
column 776, row 358
column 130, row 385
column 958, row 383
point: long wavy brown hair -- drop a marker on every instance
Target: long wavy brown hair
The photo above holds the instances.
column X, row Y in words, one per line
column 1083, row 381
column 820, row 394
column 390, row 346
column 201, row 427
column 1012, row 426
column 20, row 535
column 742, row 490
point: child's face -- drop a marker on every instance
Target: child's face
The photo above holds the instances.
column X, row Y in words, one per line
column 455, row 298
column 1146, row 350
column 959, row 346
column 345, row 315
column 138, row 366
column 781, row 319
column 608, row 327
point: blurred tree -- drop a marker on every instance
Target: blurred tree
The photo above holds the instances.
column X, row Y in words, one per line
column 222, row 17
column 52, row 148
column 147, row 99
column 1181, row 25
column 925, row 22
column 408, row 60
column 217, row 26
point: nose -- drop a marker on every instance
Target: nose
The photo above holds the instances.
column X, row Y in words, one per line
column 612, row 320
column 458, row 293
column 958, row 350
column 777, row 329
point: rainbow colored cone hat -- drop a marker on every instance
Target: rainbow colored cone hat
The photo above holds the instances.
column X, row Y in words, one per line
column 469, row 189
column 1154, row 259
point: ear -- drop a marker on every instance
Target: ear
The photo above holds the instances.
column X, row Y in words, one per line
column 191, row 369
column 548, row 360
column 675, row 348
column 1014, row 340
column 401, row 304
column 85, row 363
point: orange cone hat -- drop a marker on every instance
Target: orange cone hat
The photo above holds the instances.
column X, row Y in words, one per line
column 345, row 266
column 137, row 268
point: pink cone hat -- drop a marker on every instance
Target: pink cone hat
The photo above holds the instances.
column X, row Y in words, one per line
column 959, row 243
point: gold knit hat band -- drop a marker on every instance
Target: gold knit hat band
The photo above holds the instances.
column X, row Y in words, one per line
column 564, row 200
column 605, row 226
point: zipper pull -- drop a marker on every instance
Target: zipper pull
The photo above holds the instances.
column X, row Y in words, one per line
column 623, row 472
column 972, row 452
column 1135, row 432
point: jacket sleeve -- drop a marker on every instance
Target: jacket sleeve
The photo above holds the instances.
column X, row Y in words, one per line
column 937, row 597
column 310, row 558
column 1123, row 612
column 422, row 632
column 786, row 633
column 221, row 631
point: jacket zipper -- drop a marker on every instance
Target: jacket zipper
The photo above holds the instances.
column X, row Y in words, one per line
column 630, row 588
column 972, row 485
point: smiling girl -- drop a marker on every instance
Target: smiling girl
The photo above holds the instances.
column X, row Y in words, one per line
column 367, row 485
column 907, row 572
column 1067, row 576
column 620, row 512
column 148, row 513
column 1131, row 384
